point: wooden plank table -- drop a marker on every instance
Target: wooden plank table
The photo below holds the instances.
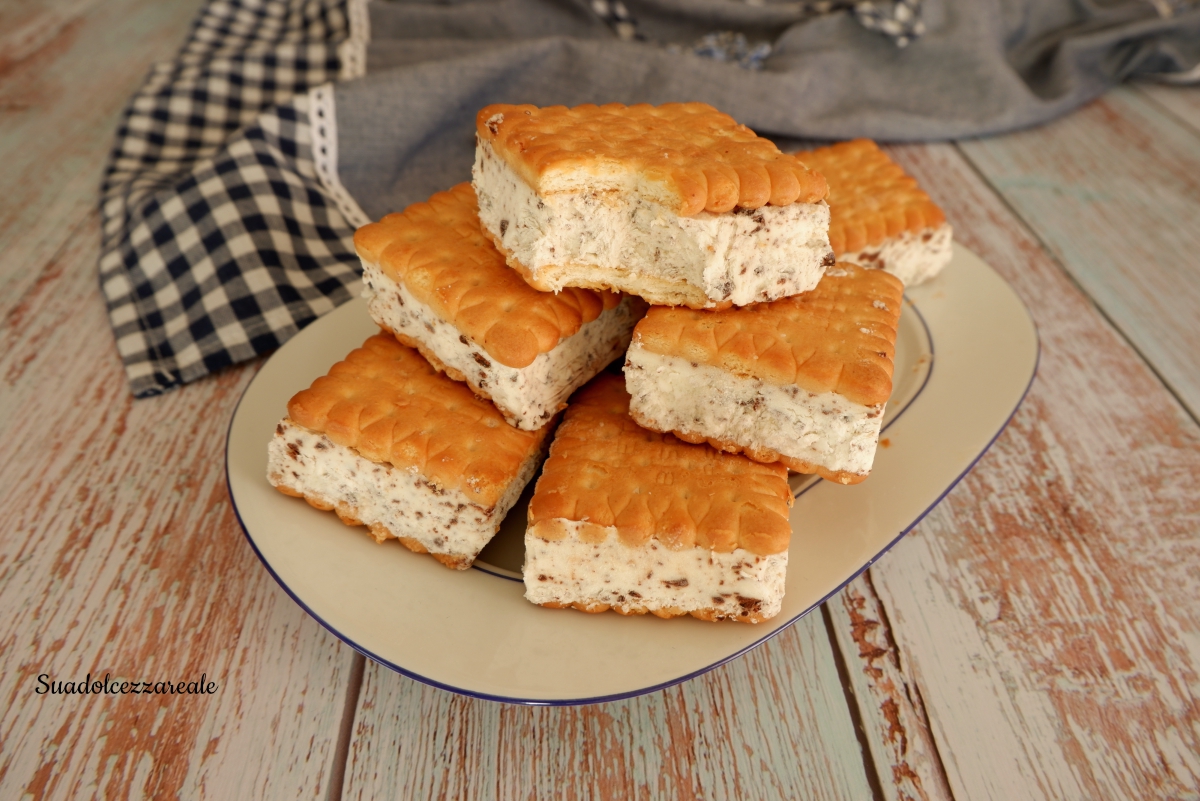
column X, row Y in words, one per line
column 1037, row 636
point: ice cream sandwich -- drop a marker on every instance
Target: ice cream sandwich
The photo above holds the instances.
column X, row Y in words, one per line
column 801, row 380
column 630, row 520
column 879, row 216
column 439, row 285
column 387, row 442
column 678, row 203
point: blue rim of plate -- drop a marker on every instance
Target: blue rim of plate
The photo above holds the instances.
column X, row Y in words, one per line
column 680, row 679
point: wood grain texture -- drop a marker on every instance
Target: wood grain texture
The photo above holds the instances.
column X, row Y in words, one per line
column 26, row 26
column 120, row 554
column 1047, row 608
column 66, row 72
column 888, row 696
column 1113, row 191
column 1181, row 101
column 773, row 724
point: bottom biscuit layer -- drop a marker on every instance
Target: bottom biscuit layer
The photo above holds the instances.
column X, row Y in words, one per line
column 913, row 258
column 822, row 433
column 589, row 568
column 390, row 502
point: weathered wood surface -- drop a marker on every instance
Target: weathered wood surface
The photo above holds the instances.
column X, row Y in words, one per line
column 773, row 724
column 1047, row 610
column 887, row 696
column 67, row 70
column 1036, row 636
column 1181, row 101
column 27, row 26
column 119, row 552
column 1113, row 191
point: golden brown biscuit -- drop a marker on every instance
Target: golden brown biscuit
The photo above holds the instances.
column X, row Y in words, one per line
column 702, row 158
column 870, row 196
column 607, row 471
column 437, row 251
column 391, row 406
column 638, row 522
column 840, row 337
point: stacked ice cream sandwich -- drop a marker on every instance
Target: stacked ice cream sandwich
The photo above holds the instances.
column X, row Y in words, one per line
column 387, row 442
column 879, row 217
column 429, row 432
column 677, row 204
column 665, row 493
column 755, row 356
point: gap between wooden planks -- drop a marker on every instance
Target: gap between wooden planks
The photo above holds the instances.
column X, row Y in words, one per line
column 1046, row 609
column 10, row 365
column 1113, row 192
column 121, row 555
column 772, row 724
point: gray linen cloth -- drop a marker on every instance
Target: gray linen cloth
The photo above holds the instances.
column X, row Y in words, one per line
column 405, row 131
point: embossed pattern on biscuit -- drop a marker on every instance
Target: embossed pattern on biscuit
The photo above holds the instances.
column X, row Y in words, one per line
column 702, row 158
column 386, row 402
column 870, row 198
column 606, row 470
column 436, row 249
column 839, row 337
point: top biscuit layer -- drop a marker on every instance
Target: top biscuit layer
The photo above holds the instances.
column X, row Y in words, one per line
column 386, row 402
column 437, row 250
column 870, row 197
column 606, row 470
column 688, row 155
column 840, row 337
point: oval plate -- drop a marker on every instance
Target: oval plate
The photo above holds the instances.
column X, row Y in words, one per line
column 966, row 354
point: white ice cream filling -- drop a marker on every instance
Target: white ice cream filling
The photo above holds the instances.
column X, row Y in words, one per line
column 824, row 429
column 528, row 396
column 443, row 519
column 651, row 576
column 744, row 256
column 913, row 258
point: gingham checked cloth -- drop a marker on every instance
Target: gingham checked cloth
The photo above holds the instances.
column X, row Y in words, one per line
column 225, row 228
column 218, row 241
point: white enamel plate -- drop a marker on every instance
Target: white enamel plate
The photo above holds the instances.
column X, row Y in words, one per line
column 966, row 354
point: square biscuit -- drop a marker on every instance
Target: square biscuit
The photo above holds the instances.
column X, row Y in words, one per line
column 802, row 380
column 678, row 203
column 879, row 216
column 636, row 521
column 389, row 443
column 438, row 284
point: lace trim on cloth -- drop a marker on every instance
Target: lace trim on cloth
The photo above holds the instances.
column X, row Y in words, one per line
column 322, row 118
column 353, row 51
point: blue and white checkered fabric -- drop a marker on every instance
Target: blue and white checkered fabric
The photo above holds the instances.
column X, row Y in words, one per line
column 218, row 241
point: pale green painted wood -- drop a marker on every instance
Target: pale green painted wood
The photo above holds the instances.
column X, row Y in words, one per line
column 772, row 724
column 1113, row 191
